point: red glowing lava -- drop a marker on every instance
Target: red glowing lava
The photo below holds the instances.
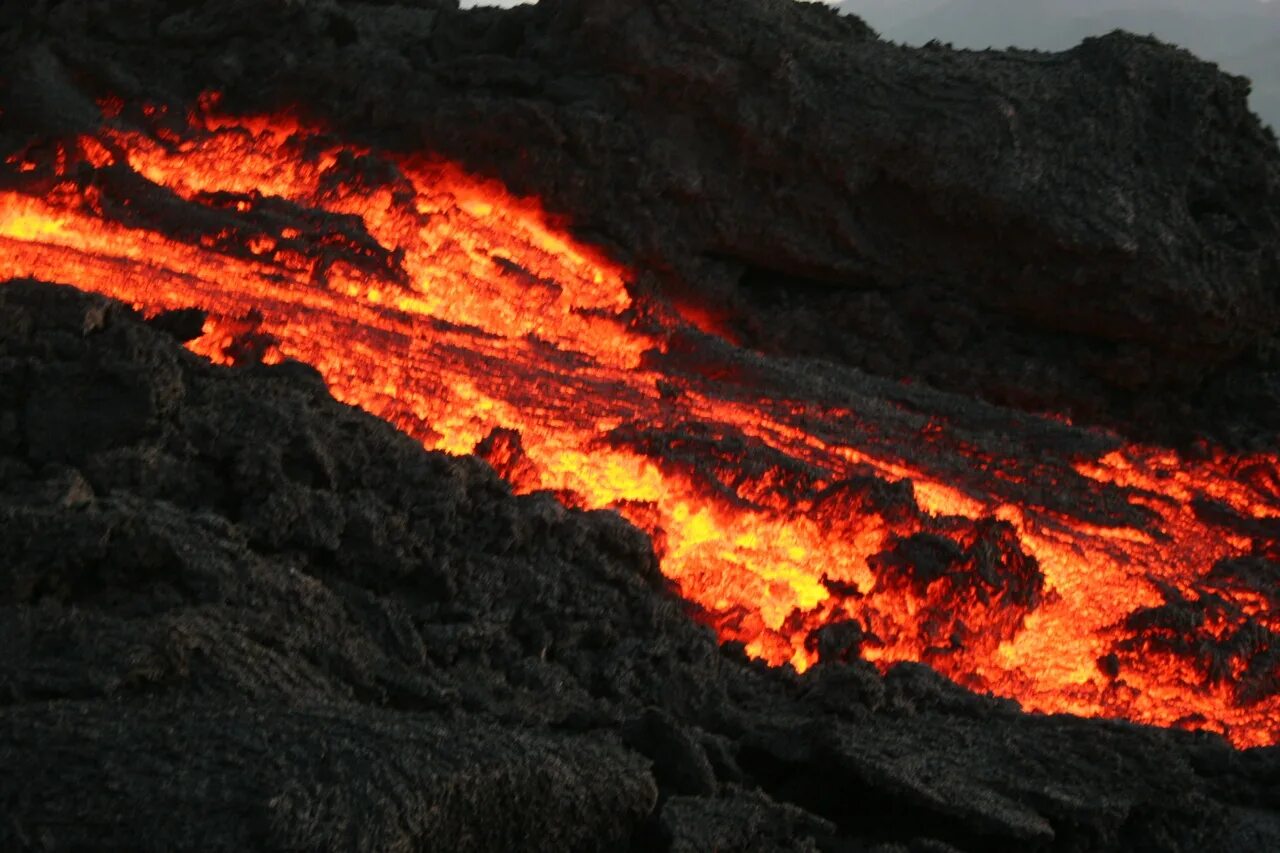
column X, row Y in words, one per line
column 1114, row 583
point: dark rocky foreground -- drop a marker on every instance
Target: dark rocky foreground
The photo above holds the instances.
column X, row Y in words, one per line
column 1094, row 232
column 237, row 614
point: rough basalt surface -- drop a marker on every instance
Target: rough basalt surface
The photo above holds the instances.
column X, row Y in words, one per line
column 1095, row 232
column 237, row 614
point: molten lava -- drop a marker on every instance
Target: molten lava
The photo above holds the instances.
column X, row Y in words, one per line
column 1124, row 581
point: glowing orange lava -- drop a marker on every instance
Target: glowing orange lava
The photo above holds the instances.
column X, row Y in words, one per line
column 465, row 317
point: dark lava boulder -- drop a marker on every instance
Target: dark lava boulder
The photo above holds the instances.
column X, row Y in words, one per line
column 237, row 614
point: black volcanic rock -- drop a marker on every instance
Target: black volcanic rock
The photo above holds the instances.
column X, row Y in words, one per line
column 1094, row 231
column 251, row 617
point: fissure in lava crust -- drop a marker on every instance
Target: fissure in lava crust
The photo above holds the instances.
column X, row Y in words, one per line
column 804, row 514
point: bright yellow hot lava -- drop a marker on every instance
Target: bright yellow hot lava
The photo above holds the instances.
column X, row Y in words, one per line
column 437, row 301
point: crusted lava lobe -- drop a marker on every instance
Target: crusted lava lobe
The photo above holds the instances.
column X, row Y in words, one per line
column 239, row 614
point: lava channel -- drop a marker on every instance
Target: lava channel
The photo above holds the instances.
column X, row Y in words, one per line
column 809, row 514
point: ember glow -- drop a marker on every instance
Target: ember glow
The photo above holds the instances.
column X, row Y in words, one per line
column 1123, row 581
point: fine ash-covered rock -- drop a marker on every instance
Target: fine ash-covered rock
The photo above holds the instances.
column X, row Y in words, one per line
column 1095, row 231
column 237, row 614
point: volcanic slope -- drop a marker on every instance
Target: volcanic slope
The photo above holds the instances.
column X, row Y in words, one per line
column 238, row 614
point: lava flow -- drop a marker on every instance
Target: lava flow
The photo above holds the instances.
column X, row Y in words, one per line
column 808, row 515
